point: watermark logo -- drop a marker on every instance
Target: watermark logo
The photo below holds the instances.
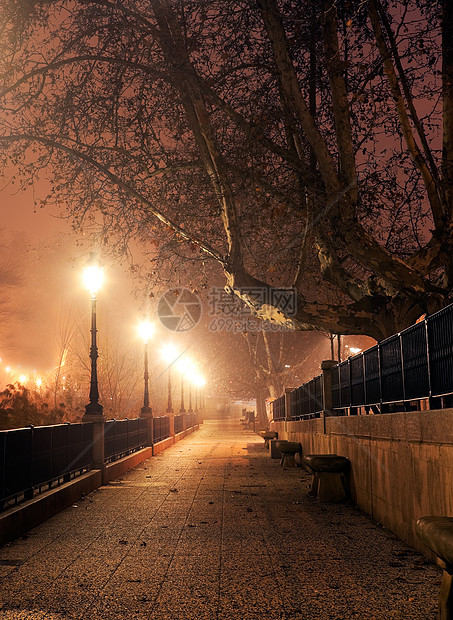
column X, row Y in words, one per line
column 179, row 310
column 230, row 313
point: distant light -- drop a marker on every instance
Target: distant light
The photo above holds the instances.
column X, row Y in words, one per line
column 183, row 364
column 38, row 382
column 354, row 350
column 22, row 378
column 287, row 366
column 145, row 330
column 8, row 369
column 169, row 353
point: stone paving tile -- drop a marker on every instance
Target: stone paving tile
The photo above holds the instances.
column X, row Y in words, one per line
column 213, row 529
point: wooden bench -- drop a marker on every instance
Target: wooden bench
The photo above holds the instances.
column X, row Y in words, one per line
column 437, row 534
column 328, row 476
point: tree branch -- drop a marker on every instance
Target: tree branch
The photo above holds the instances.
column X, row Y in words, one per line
column 417, row 157
column 340, row 102
column 121, row 184
column 290, row 84
column 447, row 99
column 198, row 118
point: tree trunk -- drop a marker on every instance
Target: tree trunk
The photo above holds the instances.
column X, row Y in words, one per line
column 261, row 415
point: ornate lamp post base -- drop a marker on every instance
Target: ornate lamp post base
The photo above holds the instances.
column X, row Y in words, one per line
column 147, row 414
column 94, row 409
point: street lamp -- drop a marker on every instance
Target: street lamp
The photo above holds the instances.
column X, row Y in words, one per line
column 145, row 330
column 169, row 354
column 189, row 370
column 93, row 276
column 182, row 367
column 199, row 384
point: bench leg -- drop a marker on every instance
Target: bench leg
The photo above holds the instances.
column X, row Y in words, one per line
column 330, row 487
column 313, row 492
column 288, row 460
column 446, row 594
column 273, row 451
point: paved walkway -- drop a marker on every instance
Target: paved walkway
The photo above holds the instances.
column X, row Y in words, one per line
column 213, row 529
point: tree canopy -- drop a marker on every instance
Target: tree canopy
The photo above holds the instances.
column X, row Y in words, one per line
column 290, row 143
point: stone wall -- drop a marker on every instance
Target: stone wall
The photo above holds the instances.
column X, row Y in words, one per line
column 401, row 463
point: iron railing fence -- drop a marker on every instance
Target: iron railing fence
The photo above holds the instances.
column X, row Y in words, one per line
column 191, row 419
column 179, row 422
column 122, row 437
column 278, row 408
column 414, row 365
column 161, row 428
column 306, row 400
column 32, row 457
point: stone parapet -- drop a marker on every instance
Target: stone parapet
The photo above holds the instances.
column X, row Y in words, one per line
column 401, row 463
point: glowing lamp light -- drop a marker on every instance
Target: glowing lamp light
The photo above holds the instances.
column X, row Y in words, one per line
column 169, row 353
column 22, row 378
column 354, row 350
column 145, row 331
column 38, row 383
column 183, row 365
column 93, row 276
column 199, row 381
column 190, row 371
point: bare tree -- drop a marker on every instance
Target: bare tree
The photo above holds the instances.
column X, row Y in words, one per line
column 292, row 147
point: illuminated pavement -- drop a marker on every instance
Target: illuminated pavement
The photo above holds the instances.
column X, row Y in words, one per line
column 213, row 529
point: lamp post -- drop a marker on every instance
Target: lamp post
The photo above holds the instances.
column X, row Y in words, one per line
column 190, row 410
column 190, row 372
column 182, row 409
column 195, row 380
column 199, row 383
column 169, row 354
column 93, row 276
column 145, row 330
column 94, row 414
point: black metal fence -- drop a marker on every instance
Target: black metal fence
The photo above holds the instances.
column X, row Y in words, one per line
column 179, row 422
column 34, row 457
column 307, row 400
column 278, row 408
column 191, row 419
column 43, row 455
column 394, row 375
column 416, row 364
column 122, row 437
column 161, row 428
